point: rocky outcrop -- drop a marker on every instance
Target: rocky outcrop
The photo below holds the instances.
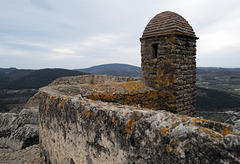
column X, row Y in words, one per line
column 30, row 155
column 33, row 102
column 16, row 130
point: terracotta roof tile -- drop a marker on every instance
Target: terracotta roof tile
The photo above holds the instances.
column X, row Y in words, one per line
column 168, row 23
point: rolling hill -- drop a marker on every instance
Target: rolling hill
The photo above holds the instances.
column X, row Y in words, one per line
column 29, row 79
column 114, row 70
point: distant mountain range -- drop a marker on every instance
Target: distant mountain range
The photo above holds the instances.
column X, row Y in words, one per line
column 114, row 70
column 13, row 78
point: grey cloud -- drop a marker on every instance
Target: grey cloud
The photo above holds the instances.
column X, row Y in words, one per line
column 86, row 32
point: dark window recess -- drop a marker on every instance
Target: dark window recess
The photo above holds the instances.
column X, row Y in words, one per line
column 155, row 50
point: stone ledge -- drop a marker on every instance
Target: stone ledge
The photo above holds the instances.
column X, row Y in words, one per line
column 126, row 91
column 80, row 130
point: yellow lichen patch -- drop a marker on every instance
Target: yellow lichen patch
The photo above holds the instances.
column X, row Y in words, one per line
column 131, row 85
column 210, row 132
column 54, row 98
column 226, row 131
column 95, row 96
column 182, row 116
column 164, row 131
column 62, row 104
column 201, row 128
column 129, row 125
column 193, row 123
column 47, row 108
column 85, row 112
column 169, row 149
column 170, row 39
column 203, row 120
column 155, row 61
column 91, row 84
column 213, row 135
column 197, row 120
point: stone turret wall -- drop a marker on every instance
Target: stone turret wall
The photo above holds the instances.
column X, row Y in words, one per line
column 75, row 129
column 173, row 72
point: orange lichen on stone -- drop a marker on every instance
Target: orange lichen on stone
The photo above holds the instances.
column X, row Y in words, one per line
column 226, row 131
column 199, row 122
column 198, row 119
column 54, row 98
column 91, row 84
column 85, row 112
column 170, row 39
column 129, row 125
column 155, row 61
column 182, row 116
column 210, row 132
column 164, row 131
column 62, row 104
column 47, row 108
column 169, row 149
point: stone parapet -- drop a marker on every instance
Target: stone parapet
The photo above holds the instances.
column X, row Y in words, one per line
column 123, row 91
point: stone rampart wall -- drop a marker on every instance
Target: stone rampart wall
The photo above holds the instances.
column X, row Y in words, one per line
column 75, row 129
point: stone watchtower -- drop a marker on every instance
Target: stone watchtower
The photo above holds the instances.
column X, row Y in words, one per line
column 168, row 51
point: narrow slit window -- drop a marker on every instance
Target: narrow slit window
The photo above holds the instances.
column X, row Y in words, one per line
column 155, row 50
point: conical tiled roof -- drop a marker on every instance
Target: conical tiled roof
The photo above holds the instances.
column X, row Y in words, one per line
column 168, row 23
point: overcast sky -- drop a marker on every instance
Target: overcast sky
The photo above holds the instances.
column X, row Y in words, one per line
column 83, row 33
